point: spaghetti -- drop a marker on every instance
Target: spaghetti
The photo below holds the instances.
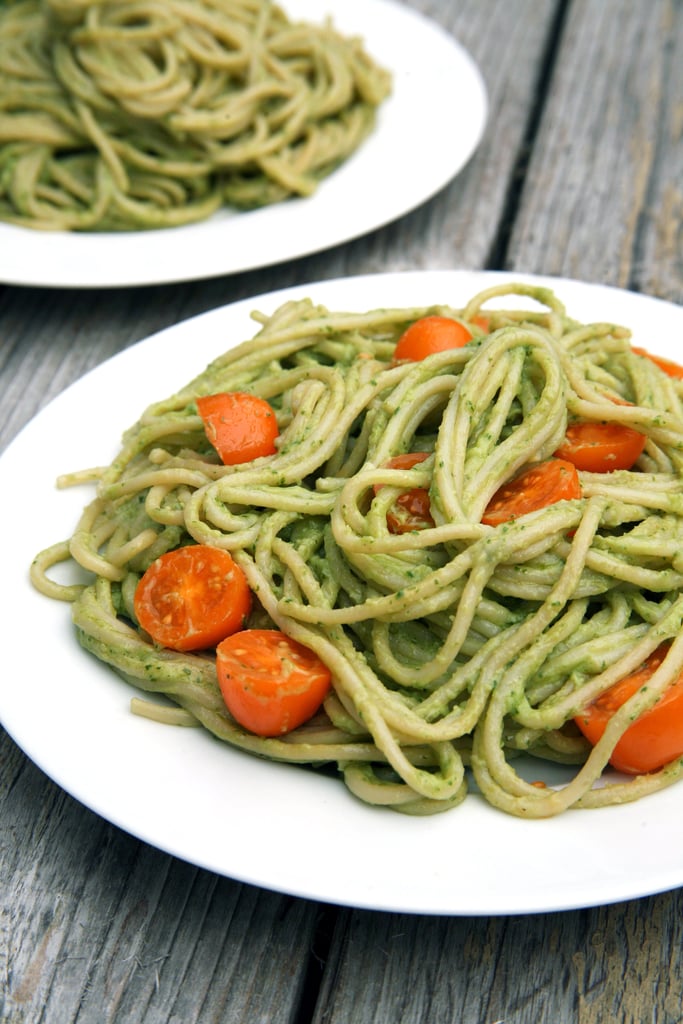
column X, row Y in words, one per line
column 133, row 114
column 452, row 647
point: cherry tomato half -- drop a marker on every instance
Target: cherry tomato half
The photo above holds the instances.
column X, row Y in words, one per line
column 270, row 683
column 601, row 447
column 542, row 485
column 239, row 425
column 412, row 509
column 655, row 738
column 192, row 597
column 428, row 335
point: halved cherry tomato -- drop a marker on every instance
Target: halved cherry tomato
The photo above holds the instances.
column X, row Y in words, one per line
column 240, row 426
column 669, row 367
column 270, row 683
column 428, row 335
column 601, row 447
column 542, row 485
column 411, row 510
column 191, row 598
column 656, row 737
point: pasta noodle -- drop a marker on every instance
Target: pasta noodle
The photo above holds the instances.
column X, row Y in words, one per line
column 454, row 649
column 133, row 114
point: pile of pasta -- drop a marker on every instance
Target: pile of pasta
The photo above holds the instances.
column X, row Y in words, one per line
column 133, row 114
column 455, row 649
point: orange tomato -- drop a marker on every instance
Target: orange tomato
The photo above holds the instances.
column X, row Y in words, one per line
column 428, row 335
column 191, row 598
column 411, row 510
column 240, row 426
column 270, row 683
column 483, row 322
column 542, row 485
column 669, row 367
column 601, row 447
column 656, row 737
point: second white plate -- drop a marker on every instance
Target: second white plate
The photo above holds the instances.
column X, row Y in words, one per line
column 407, row 159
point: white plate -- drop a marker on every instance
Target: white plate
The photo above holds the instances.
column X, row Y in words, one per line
column 426, row 132
column 198, row 799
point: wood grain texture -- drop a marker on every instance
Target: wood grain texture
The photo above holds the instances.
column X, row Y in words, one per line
column 602, row 198
column 579, row 173
column 593, row 967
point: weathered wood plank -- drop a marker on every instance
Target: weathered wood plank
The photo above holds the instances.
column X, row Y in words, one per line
column 619, row 963
column 603, row 196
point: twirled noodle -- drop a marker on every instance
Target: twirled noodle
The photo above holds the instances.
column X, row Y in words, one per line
column 132, row 114
column 457, row 646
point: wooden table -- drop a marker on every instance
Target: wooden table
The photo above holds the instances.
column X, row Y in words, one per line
column 580, row 174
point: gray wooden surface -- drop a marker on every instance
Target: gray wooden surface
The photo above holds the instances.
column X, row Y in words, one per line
column 580, row 173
